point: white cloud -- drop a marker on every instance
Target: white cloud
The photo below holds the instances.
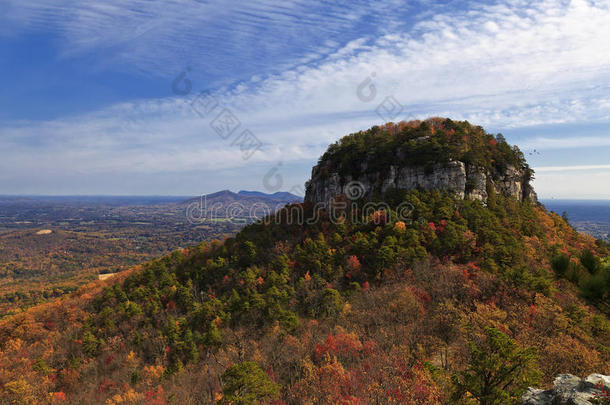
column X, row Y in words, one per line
column 573, row 185
column 507, row 65
column 539, row 169
column 571, row 142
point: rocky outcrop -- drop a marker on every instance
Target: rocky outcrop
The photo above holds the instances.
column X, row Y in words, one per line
column 463, row 180
column 568, row 390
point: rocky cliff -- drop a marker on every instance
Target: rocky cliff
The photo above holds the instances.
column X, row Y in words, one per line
column 462, row 179
column 570, row 390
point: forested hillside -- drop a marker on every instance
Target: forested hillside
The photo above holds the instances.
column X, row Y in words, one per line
column 455, row 301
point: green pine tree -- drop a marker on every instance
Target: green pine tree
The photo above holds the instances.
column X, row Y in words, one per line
column 248, row 384
column 499, row 370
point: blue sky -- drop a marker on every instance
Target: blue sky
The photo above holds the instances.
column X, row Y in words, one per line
column 94, row 98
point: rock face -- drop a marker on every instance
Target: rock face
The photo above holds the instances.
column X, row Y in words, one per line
column 568, row 390
column 463, row 180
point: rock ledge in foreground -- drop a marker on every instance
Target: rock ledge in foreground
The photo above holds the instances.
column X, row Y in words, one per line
column 568, row 390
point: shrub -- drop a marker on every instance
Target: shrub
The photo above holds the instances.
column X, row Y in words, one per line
column 595, row 286
column 560, row 264
column 589, row 261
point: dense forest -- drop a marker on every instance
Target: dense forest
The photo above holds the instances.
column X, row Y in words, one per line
column 421, row 143
column 463, row 302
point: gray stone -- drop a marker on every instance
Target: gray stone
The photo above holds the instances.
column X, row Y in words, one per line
column 567, row 389
column 593, row 380
column 565, row 383
column 535, row 396
column 454, row 176
column 477, row 178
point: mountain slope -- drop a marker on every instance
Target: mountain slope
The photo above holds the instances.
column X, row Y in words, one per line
column 349, row 305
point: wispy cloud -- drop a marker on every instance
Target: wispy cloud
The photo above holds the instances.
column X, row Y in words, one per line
column 159, row 37
column 511, row 64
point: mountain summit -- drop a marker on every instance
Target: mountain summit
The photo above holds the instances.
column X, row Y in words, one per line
column 435, row 154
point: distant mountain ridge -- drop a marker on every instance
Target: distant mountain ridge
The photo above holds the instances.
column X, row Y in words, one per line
column 280, row 195
column 246, row 205
column 248, row 196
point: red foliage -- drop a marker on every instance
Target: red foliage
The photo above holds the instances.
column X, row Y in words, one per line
column 442, row 225
column 420, row 294
column 366, row 286
column 68, row 378
column 504, row 329
column 170, row 305
column 156, row 397
column 604, row 394
column 344, row 344
column 533, row 311
column 353, row 263
column 432, row 226
column 353, row 267
column 472, row 267
column 225, row 279
column 270, row 373
column 369, row 346
column 380, row 218
column 350, row 400
column 58, row 397
column 105, row 385
column 259, row 281
column 109, row 359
